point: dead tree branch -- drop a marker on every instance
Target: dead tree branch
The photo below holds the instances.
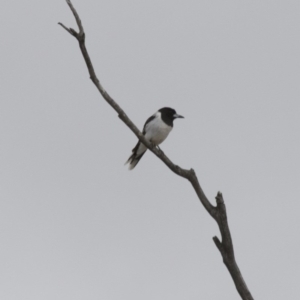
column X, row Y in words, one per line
column 218, row 212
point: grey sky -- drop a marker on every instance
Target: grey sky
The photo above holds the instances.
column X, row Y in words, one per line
column 75, row 223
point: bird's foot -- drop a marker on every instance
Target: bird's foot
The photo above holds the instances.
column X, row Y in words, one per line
column 152, row 144
column 161, row 152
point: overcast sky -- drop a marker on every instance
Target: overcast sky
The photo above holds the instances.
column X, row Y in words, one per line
column 75, row 223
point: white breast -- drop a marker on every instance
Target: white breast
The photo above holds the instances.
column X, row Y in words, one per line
column 157, row 130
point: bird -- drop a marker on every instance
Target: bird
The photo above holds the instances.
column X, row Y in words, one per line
column 156, row 130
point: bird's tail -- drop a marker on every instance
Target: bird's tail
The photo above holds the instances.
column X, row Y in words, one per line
column 137, row 153
column 133, row 160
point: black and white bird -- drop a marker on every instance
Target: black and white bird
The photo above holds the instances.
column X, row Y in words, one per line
column 156, row 130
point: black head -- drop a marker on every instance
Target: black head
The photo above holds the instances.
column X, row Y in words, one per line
column 168, row 115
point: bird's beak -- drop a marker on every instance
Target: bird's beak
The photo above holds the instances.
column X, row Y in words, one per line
column 176, row 116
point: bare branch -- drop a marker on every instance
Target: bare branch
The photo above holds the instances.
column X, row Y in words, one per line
column 79, row 24
column 218, row 244
column 68, row 29
column 218, row 213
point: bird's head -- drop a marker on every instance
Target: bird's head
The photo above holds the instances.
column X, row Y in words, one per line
column 169, row 113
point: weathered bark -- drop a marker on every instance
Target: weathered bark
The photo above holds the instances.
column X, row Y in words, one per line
column 218, row 212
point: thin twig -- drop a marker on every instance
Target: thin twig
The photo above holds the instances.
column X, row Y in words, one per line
column 218, row 213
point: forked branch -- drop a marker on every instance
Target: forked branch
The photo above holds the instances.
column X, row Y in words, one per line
column 218, row 212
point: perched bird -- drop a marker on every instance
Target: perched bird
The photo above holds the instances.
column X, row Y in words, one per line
column 156, row 129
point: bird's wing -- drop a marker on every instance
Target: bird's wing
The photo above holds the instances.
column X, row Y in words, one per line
column 147, row 122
